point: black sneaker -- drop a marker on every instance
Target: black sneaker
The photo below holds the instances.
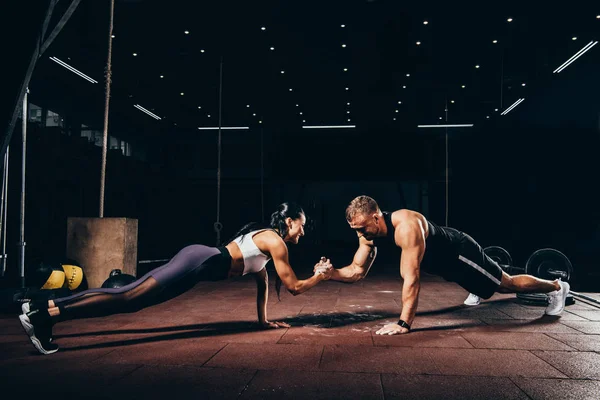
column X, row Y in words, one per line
column 38, row 333
column 26, row 307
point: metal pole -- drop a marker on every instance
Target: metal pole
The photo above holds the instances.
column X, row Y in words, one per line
column 218, row 226
column 22, row 223
column 447, row 174
column 106, row 101
column 4, row 204
column 262, row 175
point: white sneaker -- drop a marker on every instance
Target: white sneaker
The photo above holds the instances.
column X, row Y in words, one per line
column 472, row 300
column 557, row 299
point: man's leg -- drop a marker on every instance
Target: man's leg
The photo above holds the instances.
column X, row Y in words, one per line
column 557, row 290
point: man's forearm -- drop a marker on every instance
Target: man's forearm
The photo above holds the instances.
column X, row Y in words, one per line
column 346, row 274
column 410, row 297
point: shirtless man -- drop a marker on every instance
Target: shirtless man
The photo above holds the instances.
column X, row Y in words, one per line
column 442, row 251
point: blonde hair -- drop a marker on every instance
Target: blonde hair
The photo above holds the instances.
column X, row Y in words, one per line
column 361, row 205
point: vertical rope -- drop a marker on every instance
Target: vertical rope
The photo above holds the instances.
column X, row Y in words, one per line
column 106, row 101
column 218, row 225
column 262, row 175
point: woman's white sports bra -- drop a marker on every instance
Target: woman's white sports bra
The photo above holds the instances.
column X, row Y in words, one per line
column 254, row 259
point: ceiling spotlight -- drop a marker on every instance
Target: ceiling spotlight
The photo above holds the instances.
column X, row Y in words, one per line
column 303, row 120
column 407, row 74
column 440, row 117
column 272, row 48
column 187, row 32
column 343, row 26
column 425, row 22
column 263, row 28
column 396, row 110
column 495, row 109
column 347, row 112
column 135, row 54
column 202, row 51
column 494, row 41
column 522, row 84
column 283, row 72
column 247, row 105
column 112, row 36
column 260, row 122
column 181, row 93
column 394, row 119
column 597, row 16
column 347, row 88
column 348, row 119
column 300, row 113
column 199, row 107
column 477, row 66
column 297, row 105
column 208, row 115
column 574, row 38
column 399, row 102
column 290, row 89
column 463, row 86
column 254, row 115
column 487, row 116
column 510, row 20
column 452, row 101
column 403, row 87
column 162, row 76
column 418, row 43
column 348, row 104
column 343, row 45
column 345, row 69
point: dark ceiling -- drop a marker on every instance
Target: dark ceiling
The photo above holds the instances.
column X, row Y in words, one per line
column 309, row 57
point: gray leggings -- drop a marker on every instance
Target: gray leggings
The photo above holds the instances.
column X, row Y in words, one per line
column 191, row 265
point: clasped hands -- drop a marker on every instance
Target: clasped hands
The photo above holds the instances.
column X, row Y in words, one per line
column 324, row 267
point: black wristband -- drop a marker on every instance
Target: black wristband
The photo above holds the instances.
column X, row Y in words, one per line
column 403, row 324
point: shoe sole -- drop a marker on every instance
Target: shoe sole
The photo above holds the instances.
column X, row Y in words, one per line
column 25, row 308
column 28, row 327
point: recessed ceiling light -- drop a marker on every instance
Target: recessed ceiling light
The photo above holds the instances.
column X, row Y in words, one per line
column 202, row 51
column 425, row 22
column 463, row 86
column 494, row 41
column 522, row 84
column 403, row 87
column 272, row 48
column 162, row 76
column 135, row 54
column 112, row 36
column 348, row 119
column 597, row 16
column 487, row 116
column 347, row 104
column 343, row 26
column 181, row 93
column 440, row 117
column 495, row 109
column 247, row 105
column 303, row 120
column 343, row 45
column 347, row 88
column 407, row 74
column 254, row 115
column 399, row 102
column 574, row 38
column 418, row 43
column 297, row 105
column 300, row 113
column 208, row 115
column 199, row 107
column 290, row 89
column 452, row 101
column 347, row 112
column 260, row 122
column 263, row 28
column 397, row 111
column 510, row 20
column 394, row 119
column 345, row 69
column 187, row 32
column 283, row 72
column 477, row 66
